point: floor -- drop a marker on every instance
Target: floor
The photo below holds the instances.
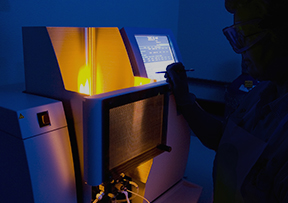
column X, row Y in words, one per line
column 199, row 169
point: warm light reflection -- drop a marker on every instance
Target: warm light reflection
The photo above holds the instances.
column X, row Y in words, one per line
column 84, row 80
column 61, row 156
column 142, row 81
column 101, row 81
column 85, row 88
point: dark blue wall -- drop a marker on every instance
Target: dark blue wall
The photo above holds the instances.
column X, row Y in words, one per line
column 202, row 44
column 197, row 25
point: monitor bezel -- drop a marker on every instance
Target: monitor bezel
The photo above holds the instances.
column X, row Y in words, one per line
column 137, row 63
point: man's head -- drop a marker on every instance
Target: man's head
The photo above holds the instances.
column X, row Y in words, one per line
column 273, row 15
column 259, row 34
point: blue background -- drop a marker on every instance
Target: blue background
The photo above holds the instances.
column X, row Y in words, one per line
column 197, row 25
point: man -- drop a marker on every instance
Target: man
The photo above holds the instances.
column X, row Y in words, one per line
column 251, row 163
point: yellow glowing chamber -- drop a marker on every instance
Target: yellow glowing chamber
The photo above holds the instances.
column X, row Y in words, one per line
column 92, row 60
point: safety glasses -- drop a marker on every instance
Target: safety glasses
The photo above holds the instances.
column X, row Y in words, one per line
column 242, row 36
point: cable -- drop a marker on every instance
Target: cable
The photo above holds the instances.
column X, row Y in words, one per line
column 123, row 200
column 126, row 195
column 95, row 201
column 134, row 193
column 133, row 196
column 135, row 185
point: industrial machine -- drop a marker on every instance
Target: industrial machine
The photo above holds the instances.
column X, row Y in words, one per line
column 89, row 69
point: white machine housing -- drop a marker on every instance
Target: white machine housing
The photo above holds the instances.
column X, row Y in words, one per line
column 35, row 150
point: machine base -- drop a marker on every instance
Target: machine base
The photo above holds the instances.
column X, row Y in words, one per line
column 183, row 191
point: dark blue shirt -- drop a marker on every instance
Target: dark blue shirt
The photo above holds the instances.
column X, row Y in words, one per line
column 263, row 115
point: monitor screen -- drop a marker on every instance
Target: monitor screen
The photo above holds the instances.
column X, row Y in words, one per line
column 156, row 54
column 123, row 129
column 150, row 50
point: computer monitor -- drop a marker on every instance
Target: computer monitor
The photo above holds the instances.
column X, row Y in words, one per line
column 150, row 50
column 123, row 129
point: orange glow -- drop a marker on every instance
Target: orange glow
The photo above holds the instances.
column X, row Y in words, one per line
column 93, row 60
column 111, row 64
column 70, row 50
column 142, row 81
